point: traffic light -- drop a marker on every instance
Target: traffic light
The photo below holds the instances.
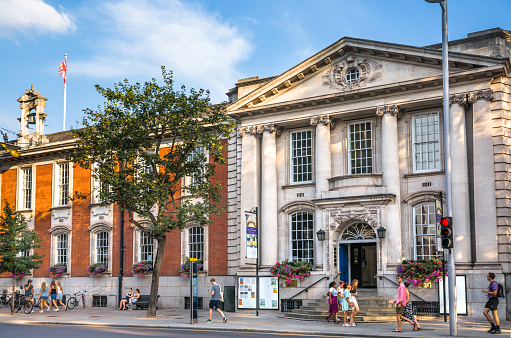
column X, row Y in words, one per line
column 446, row 232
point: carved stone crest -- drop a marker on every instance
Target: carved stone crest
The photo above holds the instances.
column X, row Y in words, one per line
column 364, row 70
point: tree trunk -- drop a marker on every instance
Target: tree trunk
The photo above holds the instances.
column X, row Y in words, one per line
column 13, row 290
column 153, row 297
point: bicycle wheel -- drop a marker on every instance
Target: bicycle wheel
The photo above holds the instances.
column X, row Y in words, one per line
column 71, row 303
column 28, row 306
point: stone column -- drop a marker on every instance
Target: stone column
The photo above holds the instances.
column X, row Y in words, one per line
column 459, row 181
column 323, row 161
column 323, row 171
column 391, row 181
column 250, row 174
column 269, row 212
column 485, row 211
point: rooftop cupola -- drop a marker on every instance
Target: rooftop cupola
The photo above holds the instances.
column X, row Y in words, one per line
column 32, row 105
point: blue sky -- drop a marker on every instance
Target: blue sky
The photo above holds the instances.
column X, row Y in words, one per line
column 208, row 44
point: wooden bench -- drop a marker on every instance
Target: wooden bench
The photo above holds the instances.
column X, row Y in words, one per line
column 143, row 303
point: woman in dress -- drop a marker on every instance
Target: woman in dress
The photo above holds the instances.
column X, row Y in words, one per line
column 354, row 294
column 43, row 296
column 60, row 294
column 407, row 311
column 347, row 304
column 333, row 307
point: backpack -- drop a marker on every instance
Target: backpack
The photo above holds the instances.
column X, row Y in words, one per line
column 500, row 291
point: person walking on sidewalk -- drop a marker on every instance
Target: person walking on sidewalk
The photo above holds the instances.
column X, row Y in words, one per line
column 347, row 304
column 53, row 295
column 408, row 312
column 43, row 296
column 400, row 302
column 491, row 304
column 29, row 292
column 60, row 294
column 215, row 301
column 354, row 294
column 333, row 307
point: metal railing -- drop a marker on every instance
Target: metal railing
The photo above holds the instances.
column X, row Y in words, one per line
column 288, row 305
column 307, row 288
column 426, row 308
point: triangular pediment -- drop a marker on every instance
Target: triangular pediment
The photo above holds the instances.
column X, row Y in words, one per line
column 353, row 65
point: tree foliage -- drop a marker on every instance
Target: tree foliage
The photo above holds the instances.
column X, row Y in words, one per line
column 142, row 144
column 16, row 239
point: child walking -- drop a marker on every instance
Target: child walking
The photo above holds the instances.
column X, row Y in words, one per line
column 347, row 304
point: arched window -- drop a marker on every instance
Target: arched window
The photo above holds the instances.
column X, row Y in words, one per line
column 302, row 236
column 424, row 224
column 196, row 242
column 102, row 248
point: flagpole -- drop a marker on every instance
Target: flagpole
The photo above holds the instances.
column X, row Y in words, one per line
column 65, row 84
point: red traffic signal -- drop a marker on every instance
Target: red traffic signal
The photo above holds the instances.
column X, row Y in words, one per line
column 446, row 232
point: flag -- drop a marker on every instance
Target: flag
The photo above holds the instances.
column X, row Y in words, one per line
column 63, row 70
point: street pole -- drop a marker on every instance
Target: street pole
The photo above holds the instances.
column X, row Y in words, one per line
column 121, row 244
column 257, row 261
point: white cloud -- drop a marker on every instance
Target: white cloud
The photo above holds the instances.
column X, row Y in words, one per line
column 140, row 36
column 32, row 17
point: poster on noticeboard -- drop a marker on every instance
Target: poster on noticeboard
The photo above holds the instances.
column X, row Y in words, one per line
column 268, row 293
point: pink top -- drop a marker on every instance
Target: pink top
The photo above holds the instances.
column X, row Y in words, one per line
column 401, row 294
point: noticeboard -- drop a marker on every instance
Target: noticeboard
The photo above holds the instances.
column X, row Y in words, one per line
column 461, row 294
column 268, row 293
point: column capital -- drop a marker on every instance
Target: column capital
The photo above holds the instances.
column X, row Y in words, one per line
column 270, row 128
column 249, row 130
column 323, row 119
column 460, row 99
column 390, row 109
column 480, row 95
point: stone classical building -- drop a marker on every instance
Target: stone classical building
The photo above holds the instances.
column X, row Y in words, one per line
column 351, row 139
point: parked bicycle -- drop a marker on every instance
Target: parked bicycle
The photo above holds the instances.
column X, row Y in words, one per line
column 23, row 303
column 75, row 300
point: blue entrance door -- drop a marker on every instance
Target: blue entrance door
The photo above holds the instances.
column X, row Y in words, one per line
column 343, row 262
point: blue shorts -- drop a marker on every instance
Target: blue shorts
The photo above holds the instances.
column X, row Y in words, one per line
column 134, row 300
column 214, row 304
column 59, row 296
column 43, row 297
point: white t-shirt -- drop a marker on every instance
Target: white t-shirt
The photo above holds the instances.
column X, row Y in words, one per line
column 333, row 291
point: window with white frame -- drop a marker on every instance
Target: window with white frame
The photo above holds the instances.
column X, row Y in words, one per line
column 63, row 184
column 195, row 154
column 27, row 188
column 61, row 248
column 424, row 223
column 145, row 247
column 196, row 242
column 101, row 248
column 426, row 142
column 301, row 156
column 360, row 145
column 97, row 186
column 302, row 236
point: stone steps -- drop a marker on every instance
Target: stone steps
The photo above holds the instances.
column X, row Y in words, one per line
column 373, row 309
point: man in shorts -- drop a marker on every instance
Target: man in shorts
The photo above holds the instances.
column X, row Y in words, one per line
column 215, row 301
column 400, row 302
column 29, row 292
column 492, row 303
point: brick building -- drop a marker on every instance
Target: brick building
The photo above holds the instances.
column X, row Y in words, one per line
column 78, row 233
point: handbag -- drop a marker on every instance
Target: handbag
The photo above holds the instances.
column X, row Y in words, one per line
column 221, row 296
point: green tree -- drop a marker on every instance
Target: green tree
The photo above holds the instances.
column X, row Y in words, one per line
column 15, row 240
column 147, row 145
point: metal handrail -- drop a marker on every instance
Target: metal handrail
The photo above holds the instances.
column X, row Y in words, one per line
column 410, row 292
column 307, row 288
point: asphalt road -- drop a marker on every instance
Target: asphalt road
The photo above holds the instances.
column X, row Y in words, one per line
column 42, row 331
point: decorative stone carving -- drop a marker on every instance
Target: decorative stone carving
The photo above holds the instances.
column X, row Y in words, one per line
column 324, row 119
column 259, row 129
column 363, row 215
column 368, row 71
column 390, row 110
column 458, row 98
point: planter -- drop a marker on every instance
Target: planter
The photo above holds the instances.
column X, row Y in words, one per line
column 425, row 285
column 97, row 270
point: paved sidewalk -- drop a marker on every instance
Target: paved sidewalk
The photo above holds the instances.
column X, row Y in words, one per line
column 241, row 321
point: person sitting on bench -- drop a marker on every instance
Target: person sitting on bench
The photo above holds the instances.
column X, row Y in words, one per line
column 134, row 298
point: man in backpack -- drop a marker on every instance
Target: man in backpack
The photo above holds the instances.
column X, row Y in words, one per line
column 491, row 305
column 215, row 301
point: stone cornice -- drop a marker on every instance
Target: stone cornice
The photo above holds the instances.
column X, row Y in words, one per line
column 374, row 92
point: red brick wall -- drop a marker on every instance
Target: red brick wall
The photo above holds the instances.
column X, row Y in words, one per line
column 217, row 248
column 9, row 179
column 80, row 236
column 42, row 221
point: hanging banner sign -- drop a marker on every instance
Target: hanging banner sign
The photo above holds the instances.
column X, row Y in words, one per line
column 438, row 208
column 251, row 235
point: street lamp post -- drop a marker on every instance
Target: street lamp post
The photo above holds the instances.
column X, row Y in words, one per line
column 453, row 315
